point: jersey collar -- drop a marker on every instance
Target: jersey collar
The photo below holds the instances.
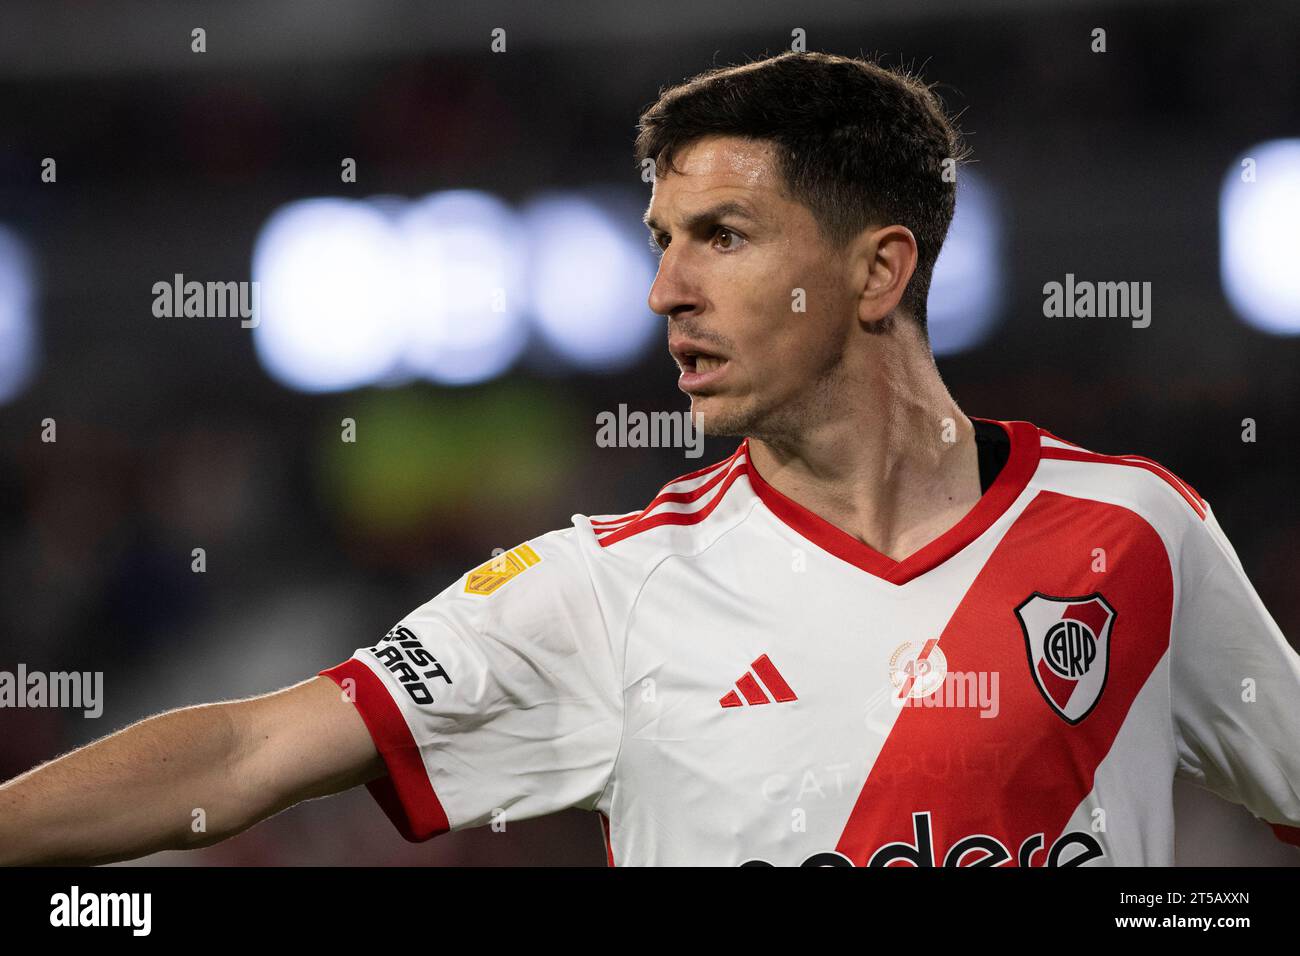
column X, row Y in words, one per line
column 1006, row 488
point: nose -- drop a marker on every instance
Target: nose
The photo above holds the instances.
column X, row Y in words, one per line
column 671, row 293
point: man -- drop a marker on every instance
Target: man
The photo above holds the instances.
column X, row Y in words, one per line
column 878, row 633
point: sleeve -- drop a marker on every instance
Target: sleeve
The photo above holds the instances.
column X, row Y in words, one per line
column 1235, row 686
column 500, row 699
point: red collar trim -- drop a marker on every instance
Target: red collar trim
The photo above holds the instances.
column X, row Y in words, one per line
column 1006, row 488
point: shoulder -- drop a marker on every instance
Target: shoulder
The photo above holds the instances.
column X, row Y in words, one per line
column 1135, row 496
column 685, row 516
column 1139, row 483
column 598, row 554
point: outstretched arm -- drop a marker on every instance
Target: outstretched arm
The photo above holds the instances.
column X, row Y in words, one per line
column 136, row 791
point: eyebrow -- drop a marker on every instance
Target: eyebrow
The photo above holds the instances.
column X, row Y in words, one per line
column 731, row 207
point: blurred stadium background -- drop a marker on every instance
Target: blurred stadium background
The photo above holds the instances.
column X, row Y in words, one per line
column 476, row 428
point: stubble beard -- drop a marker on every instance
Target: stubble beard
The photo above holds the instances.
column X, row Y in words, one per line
column 781, row 423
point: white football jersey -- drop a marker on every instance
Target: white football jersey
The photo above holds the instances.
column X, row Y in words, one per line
column 726, row 678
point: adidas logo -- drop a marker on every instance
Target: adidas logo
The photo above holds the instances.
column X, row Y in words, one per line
column 754, row 692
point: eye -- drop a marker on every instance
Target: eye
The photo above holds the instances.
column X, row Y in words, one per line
column 659, row 243
column 734, row 239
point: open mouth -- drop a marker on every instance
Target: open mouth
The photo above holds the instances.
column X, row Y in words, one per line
column 701, row 363
column 701, row 371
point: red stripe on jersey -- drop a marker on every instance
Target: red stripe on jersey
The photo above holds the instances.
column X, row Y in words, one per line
column 637, row 525
column 1026, row 770
column 406, row 795
column 700, row 472
column 1287, row 834
column 730, row 699
column 682, row 497
column 678, row 496
column 609, row 846
column 753, row 693
column 769, row 675
column 1006, row 488
column 1134, row 461
column 614, row 522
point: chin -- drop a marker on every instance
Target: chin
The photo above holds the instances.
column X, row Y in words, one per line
column 721, row 417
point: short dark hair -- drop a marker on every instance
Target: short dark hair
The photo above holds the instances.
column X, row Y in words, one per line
column 857, row 143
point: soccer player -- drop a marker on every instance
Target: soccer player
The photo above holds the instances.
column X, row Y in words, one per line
column 880, row 633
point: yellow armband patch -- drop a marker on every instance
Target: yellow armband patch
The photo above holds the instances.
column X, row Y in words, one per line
column 486, row 579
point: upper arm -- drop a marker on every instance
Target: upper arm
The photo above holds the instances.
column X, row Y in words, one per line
column 1235, row 685
column 305, row 741
column 502, row 696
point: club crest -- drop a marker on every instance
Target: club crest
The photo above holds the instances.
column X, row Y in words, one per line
column 1068, row 640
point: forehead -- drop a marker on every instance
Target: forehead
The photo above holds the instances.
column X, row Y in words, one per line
column 715, row 168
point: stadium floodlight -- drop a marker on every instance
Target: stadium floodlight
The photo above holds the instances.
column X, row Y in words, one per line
column 967, row 290
column 463, row 275
column 589, row 276
column 329, row 275
column 1259, row 206
column 18, row 348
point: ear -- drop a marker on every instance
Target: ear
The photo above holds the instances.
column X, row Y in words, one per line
column 883, row 263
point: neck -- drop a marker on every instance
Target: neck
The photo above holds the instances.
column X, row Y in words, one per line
column 895, row 468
